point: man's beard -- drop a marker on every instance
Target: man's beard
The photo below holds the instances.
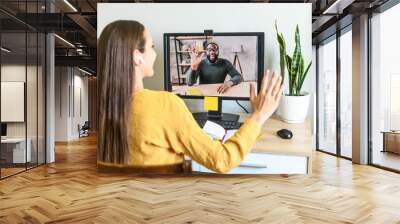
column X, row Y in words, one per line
column 214, row 60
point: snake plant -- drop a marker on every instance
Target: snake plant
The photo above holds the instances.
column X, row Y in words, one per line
column 294, row 65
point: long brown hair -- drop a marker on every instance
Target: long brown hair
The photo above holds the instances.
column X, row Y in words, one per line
column 116, row 74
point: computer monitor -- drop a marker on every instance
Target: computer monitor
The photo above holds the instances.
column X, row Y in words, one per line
column 198, row 64
column 3, row 130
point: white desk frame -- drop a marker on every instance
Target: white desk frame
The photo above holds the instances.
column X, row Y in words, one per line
column 19, row 155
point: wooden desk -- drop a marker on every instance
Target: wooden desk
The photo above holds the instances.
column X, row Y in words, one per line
column 270, row 142
column 240, row 90
column 391, row 141
column 281, row 156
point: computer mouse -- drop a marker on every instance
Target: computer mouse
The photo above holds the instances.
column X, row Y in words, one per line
column 285, row 134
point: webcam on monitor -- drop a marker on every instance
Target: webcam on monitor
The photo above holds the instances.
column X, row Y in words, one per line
column 208, row 32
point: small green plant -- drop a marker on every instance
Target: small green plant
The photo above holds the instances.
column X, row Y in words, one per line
column 294, row 64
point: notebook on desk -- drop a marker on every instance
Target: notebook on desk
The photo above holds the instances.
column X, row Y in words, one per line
column 216, row 131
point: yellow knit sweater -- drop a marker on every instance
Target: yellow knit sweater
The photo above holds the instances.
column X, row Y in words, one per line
column 164, row 130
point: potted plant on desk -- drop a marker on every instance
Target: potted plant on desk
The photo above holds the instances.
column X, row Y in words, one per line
column 294, row 104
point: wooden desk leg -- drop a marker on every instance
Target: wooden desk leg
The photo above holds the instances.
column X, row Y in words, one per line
column 384, row 143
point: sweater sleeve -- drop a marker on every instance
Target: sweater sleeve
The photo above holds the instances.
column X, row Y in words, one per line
column 188, row 138
column 192, row 76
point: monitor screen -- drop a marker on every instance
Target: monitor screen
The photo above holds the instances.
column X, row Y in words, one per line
column 223, row 65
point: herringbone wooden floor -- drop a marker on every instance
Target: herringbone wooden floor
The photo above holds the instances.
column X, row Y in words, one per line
column 71, row 191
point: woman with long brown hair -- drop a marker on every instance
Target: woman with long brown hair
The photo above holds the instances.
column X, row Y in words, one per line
column 137, row 131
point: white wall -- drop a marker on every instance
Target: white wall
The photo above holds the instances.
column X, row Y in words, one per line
column 17, row 73
column 61, row 103
column 70, row 83
column 220, row 17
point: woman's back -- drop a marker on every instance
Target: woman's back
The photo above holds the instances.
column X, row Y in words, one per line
column 153, row 117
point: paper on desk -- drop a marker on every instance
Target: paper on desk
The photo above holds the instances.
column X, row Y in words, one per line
column 216, row 131
column 228, row 135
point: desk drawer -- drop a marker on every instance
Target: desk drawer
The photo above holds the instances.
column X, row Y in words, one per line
column 261, row 163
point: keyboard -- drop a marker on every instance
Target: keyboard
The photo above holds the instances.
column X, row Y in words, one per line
column 228, row 125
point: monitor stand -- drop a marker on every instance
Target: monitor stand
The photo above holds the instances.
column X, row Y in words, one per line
column 216, row 115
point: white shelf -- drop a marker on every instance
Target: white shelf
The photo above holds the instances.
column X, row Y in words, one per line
column 262, row 163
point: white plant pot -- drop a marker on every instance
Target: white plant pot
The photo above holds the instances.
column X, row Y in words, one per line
column 294, row 109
